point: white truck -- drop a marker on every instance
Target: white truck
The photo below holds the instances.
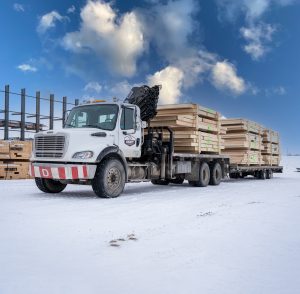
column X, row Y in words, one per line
column 105, row 145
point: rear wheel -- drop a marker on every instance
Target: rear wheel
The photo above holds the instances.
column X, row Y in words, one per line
column 109, row 180
column 215, row 174
column 262, row 175
column 49, row 185
column 204, row 176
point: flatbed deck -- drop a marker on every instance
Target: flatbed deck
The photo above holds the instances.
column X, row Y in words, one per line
column 233, row 168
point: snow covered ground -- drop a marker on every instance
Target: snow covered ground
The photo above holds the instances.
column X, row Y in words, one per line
column 240, row 237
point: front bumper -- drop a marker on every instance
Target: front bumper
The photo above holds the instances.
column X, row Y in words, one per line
column 62, row 171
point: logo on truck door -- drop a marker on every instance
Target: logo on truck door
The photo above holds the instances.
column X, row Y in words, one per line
column 129, row 140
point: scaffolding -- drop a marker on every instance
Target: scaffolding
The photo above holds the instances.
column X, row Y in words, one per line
column 23, row 126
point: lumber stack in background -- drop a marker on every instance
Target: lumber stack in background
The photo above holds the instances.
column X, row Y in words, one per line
column 196, row 129
column 271, row 147
column 14, row 159
column 243, row 141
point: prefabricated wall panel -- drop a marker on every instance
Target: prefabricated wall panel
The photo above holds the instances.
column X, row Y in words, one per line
column 249, row 143
column 196, row 129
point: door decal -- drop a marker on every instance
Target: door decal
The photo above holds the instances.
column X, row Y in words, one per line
column 129, row 140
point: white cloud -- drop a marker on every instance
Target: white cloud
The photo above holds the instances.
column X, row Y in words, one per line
column 252, row 10
column 171, row 80
column 224, row 77
column 71, row 9
column 258, row 35
column 120, row 90
column 116, row 39
column 258, row 38
column 119, row 40
column 27, row 68
column 169, row 25
column 49, row 20
column 93, row 86
column 278, row 91
column 19, row 7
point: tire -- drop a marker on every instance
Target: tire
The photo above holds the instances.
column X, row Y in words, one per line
column 215, row 174
column 178, row 181
column 204, row 176
column 109, row 180
column 49, row 185
column 160, row 182
column 192, row 183
column 262, row 175
column 269, row 174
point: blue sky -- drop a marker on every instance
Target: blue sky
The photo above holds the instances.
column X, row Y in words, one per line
column 238, row 57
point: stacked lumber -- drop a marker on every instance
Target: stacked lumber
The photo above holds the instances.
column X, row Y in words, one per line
column 271, row 148
column 196, row 129
column 243, row 141
column 14, row 159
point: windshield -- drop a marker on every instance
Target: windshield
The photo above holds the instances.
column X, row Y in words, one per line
column 93, row 116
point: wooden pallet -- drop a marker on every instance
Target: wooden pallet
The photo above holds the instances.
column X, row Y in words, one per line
column 16, row 170
column 2, row 170
column 240, row 125
column 243, row 141
column 4, row 150
column 244, row 157
column 196, row 129
column 271, row 147
column 15, row 149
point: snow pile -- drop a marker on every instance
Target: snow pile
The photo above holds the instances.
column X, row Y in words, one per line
column 239, row 237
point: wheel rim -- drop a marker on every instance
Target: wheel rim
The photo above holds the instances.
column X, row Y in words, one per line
column 113, row 179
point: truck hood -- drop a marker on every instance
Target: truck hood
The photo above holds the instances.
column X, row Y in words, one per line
column 75, row 140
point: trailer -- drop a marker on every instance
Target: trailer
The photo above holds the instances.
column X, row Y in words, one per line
column 106, row 145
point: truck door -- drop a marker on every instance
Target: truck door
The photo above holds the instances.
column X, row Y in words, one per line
column 130, row 132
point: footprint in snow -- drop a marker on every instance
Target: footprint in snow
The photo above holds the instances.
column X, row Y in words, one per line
column 208, row 213
column 254, row 202
column 115, row 242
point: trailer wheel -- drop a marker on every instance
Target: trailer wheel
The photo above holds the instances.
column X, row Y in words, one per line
column 269, row 174
column 49, row 185
column 262, row 175
column 160, row 182
column 204, row 176
column 215, row 174
column 109, row 180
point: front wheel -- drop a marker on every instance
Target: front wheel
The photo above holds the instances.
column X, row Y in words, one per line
column 49, row 185
column 109, row 180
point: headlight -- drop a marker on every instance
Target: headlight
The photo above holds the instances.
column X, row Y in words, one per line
column 83, row 154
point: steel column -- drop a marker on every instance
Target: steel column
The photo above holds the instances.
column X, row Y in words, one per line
column 37, row 111
column 51, row 116
column 22, row 113
column 64, row 111
column 6, row 113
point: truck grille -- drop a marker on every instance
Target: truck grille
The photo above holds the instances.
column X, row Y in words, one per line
column 49, row 146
